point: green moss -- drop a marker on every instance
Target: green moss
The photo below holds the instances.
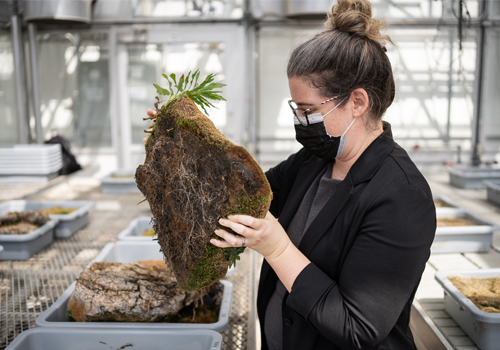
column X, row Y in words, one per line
column 244, row 205
column 189, row 125
column 68, row 314
column 204, row 273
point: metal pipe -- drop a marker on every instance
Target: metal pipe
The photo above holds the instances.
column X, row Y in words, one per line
column 450, row 91
column 34, row 81
column 22, row 134
column 476, row 156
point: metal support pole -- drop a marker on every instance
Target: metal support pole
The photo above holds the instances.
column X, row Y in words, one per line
column 476, row 127
column 34, row 81
column 22, row 127
column 450, row 92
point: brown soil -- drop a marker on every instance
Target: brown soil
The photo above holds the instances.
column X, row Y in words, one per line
column 58, row 210
column 150, row 232
column 17, row 223
column 483, row 292
column 458, row 221
column 122, row 176
column 20, row 228
column 193, row 176
column 440, row 204
column 143, row 291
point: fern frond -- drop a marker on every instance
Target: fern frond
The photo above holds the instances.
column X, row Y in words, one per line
column 188, row 85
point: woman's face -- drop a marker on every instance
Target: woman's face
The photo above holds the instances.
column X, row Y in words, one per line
column 305, row 96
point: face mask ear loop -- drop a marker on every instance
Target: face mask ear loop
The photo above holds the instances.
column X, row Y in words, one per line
column 345, row 132
column 335, row 106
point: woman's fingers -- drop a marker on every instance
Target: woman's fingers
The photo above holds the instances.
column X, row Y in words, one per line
column 246, row 220
column 229, row 240
column 151, row 114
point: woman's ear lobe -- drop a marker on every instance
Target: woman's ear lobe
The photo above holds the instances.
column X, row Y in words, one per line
column 360, row 102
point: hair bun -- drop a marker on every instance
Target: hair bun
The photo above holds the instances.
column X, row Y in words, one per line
column 355, row 17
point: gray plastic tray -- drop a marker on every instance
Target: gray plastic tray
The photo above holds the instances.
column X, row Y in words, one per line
column 450, row 210
column 493, row 191
column 135, row 229
column 464, row 239
column 482, row 327
column 106, row 339
column 111, row 184
column 23, row 247
column 472, row 177
column 68, row 223
column 55, row 316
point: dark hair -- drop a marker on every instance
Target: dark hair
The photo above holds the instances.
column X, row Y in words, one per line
column 350, row 54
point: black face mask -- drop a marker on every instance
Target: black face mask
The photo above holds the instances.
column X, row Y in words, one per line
column 316, row 139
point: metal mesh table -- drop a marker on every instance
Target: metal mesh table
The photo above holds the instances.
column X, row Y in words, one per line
column 29, row 287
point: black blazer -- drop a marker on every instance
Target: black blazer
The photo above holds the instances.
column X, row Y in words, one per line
column 368, row 248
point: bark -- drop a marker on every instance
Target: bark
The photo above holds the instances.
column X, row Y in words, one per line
column 133, row 292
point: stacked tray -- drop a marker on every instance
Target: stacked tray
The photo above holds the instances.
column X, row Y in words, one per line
column 125, row 252
column 30, row 163
column 68, row 223
column 482, row 327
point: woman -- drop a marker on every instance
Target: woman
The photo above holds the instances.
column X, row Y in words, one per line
column 356, row 217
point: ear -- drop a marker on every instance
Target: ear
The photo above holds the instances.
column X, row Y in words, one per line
column 360, row 102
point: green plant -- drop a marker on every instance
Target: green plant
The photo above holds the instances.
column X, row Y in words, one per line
column 198, row 93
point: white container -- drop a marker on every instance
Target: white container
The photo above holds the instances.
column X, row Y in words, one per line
column 135, row 229
column 482, row 327
column 23, row 247
column 472, row 177
column 464, row 239
column 450, row 210
column 105, row 339
column 68, row 223
column 113, row 184
column 55, row 316
column 493, row 191
column 30, row 159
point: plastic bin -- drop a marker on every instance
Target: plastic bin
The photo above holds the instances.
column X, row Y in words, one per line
column 135, row 229
column 106, row 339
column 482, row 327
column 464, row 239
column 68, row 223
column 22, row 247
column 55, row 316
column 493, row 191
column 472, row 177
column 126, row 251
column 450, row 209
column 116, row 184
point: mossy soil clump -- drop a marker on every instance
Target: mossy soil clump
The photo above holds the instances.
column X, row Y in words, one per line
column 193, row 176
column 23, row 222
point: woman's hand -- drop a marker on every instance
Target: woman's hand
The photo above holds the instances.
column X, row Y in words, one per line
column 265, row 236
column 151, row 114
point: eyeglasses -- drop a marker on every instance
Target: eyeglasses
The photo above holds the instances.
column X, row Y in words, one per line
column 301, row 113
